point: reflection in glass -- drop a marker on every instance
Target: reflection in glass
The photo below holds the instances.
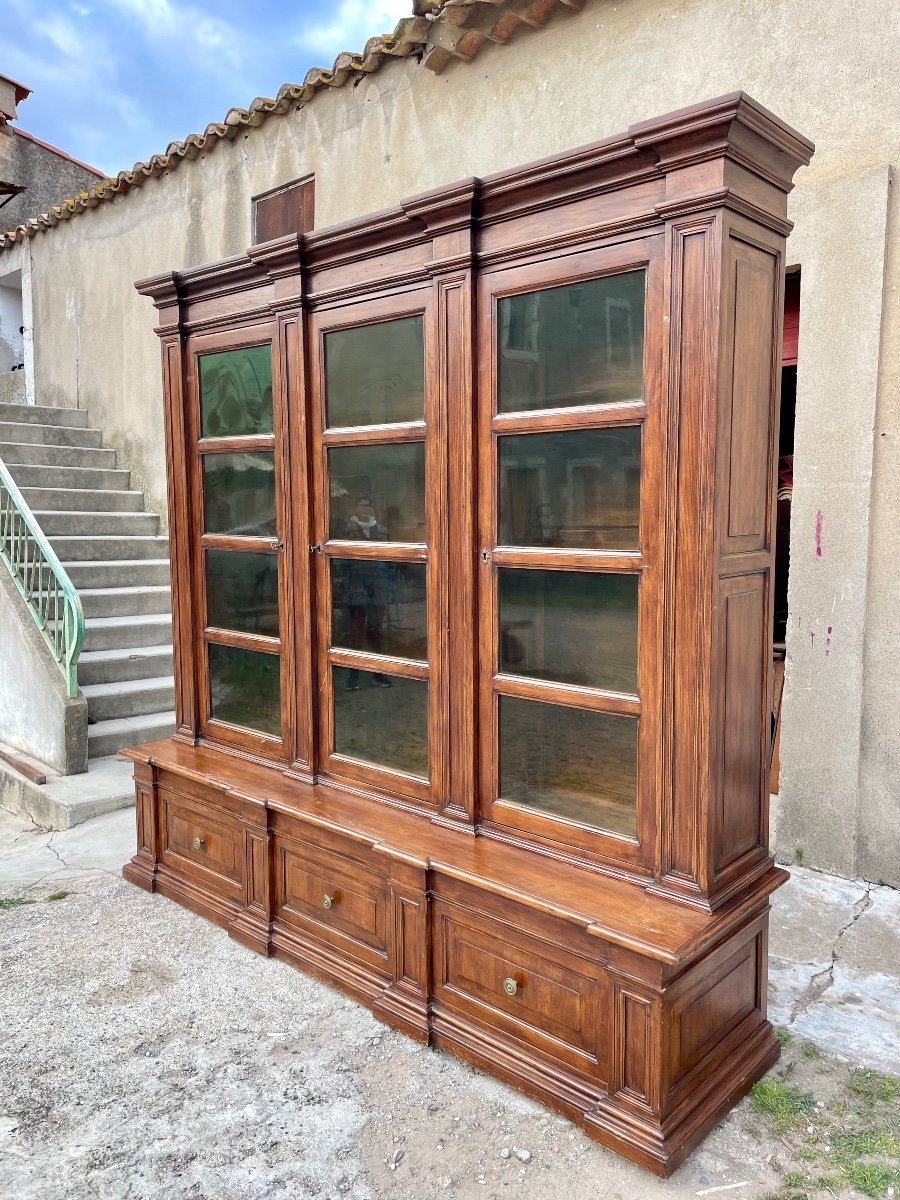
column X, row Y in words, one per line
column 578, row 489
column 236, row 392
column 569, row 762
column 570, row 627
column 578, row 344
column 239, row 493
column 381, row 719
column 245, row 688
column 242, row 591
column 378, row 492
column 375, row 374
column 379, row 607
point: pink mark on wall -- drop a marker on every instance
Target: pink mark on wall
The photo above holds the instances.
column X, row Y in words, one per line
column 828, row 642
column 819, row 519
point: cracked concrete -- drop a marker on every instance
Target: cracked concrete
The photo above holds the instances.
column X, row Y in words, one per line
column 834, row 966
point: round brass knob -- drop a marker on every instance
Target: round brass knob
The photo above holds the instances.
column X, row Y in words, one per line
column 198, row 843
column 327, row 901
column 510, row 987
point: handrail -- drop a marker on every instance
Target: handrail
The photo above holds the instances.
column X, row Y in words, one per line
column 42, row 579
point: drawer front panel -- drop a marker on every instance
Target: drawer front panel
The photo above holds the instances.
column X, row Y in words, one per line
column 202, row 842
column 537, row 991
column 332, row 894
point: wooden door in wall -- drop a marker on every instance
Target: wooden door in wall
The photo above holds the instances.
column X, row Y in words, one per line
column 572, row 546
column 379, row 518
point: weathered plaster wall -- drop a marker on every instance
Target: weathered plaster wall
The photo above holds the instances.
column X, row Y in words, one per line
column 46, row 176
column 832, row 71
column 35, row 713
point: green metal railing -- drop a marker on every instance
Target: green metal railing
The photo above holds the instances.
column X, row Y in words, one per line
column 41, row 578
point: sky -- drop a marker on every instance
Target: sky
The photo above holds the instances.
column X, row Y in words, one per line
column 114, row 81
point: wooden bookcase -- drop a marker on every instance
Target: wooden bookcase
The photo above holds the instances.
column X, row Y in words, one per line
column 471, row 511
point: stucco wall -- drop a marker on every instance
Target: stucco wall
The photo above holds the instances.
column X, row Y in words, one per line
column 46, row 176
column 830, row 70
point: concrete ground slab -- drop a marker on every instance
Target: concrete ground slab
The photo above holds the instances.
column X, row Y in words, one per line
column 143, row 1054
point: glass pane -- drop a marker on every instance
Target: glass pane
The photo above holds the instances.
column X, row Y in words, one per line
column 381, row 719
column 578, row 344
column 242, row 592
column 245, row 688
column 379, row 607
column 376, row 373
column 570, row 627
column 378, row 492
column 239, row 493
column 578, row 489
column 568, row 762
column 236, row 392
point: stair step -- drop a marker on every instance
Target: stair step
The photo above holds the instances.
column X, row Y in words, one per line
column 92, row 524
column 114, row 666
column 41, row 414
column 108, row 737
column 56, row 456
column 49, row 435
column 130, row 697
column 80, row 549
column 37, row 475
column 119, row 633
column 125, row 601
column 82, row 500
column 144, row 572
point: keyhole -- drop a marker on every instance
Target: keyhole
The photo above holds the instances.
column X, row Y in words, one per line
column 485, row 556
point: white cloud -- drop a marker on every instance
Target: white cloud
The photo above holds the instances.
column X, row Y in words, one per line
column 212, row 42
column 354, row 22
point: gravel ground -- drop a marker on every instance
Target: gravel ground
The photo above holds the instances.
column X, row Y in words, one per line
column 145, row 1054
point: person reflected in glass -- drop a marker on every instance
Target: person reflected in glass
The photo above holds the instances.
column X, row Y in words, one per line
column 368, row 586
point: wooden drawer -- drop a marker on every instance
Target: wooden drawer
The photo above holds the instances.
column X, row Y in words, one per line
column 534, row 989
column 204, row 843
column 333, row 897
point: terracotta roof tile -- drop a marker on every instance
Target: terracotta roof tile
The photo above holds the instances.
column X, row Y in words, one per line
column 441, row 32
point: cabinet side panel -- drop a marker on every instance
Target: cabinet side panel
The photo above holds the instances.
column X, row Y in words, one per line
column 747, row 446
column 742, row 673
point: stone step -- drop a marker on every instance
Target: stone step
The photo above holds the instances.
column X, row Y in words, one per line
column 125, row 601
column 56, row 456
column 114, row 666
column 48, row 435
column 129, row 697
column 108, row 737
column 82, row 549
column 41, row 499
column 91, row 524
column 40, row 414
column 67, row 800
column 31, row 475
column 146, row 572
column 121, row 633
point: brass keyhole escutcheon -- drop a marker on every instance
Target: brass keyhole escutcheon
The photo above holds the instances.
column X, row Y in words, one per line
column 198, row 843
column 327, row 901
column 510, row 986
column 485, row 555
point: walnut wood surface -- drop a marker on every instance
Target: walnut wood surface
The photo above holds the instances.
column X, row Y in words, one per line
column 618, row 977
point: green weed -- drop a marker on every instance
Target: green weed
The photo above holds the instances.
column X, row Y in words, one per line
column 16, row 902
column 785, row 1106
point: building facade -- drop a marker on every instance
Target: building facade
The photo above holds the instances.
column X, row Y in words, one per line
column 478, row 89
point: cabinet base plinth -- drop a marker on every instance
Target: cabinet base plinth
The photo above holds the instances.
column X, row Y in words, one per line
column 641, row 1019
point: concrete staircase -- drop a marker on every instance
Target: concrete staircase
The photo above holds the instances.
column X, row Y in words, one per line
column 116, row 559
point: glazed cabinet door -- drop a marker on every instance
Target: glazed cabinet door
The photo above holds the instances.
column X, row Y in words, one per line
column 379, row 474
column 571, row 533
column 239, row 509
